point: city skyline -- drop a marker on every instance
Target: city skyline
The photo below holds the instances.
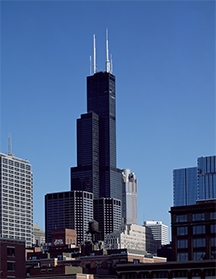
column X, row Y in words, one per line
column 163, row 60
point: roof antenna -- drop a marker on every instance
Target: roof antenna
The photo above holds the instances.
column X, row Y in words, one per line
column 9, row 145
column 107, row 54
column 111, row 64
column 94, row 65
column 90, row 65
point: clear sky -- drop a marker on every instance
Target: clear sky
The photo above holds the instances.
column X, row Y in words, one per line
column 164, row 62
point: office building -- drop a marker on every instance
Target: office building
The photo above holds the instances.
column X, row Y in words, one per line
column 38, row 235
column 16, row 194
column 133, row 237
column 129, row 197
column 196, row 183
column 107, row 212
column 159, row 231
column 185, row 190
column 69, row 210
column 96, row 169
column 194, row 231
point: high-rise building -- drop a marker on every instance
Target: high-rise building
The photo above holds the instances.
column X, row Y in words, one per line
column 129, row 197
column 108, row 214
column 159, row 231
column 69, row 210
column 96, row 169
column 185, row 186
column 196, row 183
column 16, row 195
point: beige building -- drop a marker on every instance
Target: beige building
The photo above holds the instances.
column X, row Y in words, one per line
column 38, row 235
column 134, row 237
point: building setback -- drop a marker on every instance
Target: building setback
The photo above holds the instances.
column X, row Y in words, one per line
column 70, row 210
column 16, row 195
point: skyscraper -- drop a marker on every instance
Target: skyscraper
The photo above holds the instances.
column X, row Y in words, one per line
column 185, row 186
column 196, row 183
column 96, row 139
column 71, row 210
column 129, row 197
column 16, row 195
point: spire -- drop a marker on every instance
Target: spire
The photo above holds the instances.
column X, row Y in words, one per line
column 94, row 65
column 107, row 54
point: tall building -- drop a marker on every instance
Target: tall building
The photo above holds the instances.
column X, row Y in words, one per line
column 108, row 214
column 196, row 183
column 194, row 231
column 185, row 190
column 69, row 210
column 159, row 231
column 16, row 195
column 129, row 197
column 96, row 169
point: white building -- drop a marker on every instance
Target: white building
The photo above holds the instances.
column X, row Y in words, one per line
column 129, row 197
column 133, row 237
column 16, row 195
column 38, row 235
column 159, row 231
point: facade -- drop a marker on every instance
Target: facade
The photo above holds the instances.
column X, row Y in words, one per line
column 129, row 197
column 71, row 210
column 197, row 183
column 194, row 231
column 38, row 235
column 133, row 237
column 107, row 212
column 96, row 169
column 16, row 195
column 12, row 261
column 159, row 231
column 62, row 237
column 185, row 190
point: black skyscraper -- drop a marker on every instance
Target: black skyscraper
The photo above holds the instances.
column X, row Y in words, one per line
column 96, row 141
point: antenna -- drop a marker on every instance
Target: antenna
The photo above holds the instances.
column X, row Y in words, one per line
column 90, row 65
column 9, row 145
column 107, row 54
column 94, row 54
column 111, row 66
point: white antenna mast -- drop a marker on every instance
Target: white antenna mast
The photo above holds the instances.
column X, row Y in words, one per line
column 9, row 145
column 94, row 54
column 111, row 64
column 107, row 54
column 90, row 65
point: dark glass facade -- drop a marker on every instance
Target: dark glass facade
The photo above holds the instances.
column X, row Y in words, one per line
column 96, row 141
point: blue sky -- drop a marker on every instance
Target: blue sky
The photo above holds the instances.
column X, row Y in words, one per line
column 164, row 62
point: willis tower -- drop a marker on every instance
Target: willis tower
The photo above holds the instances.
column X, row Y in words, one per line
column 96, row 169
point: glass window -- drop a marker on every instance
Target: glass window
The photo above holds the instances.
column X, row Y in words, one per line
column 10, row 266
column 199, row 242
column 182, row 257
column 213, row 242
column 181, row 218
column 213, row 215
column 182, row 230
column 182, row 243
column 213, row 228
column 11, row 251
column 198, row 216
column 197, row 256
column 199, row 229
